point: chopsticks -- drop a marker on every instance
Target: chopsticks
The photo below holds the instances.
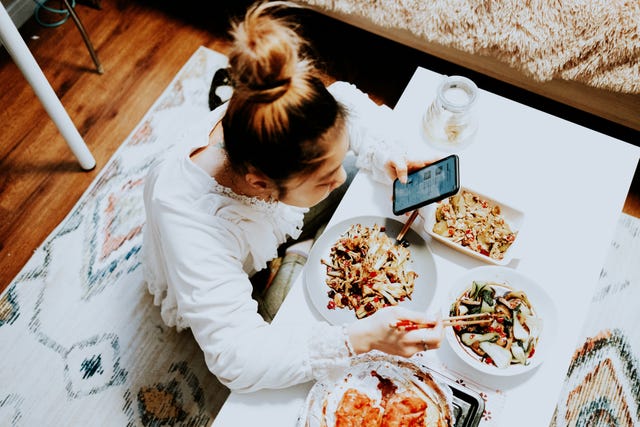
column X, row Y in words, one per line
column 463, row 320
column 406, row 227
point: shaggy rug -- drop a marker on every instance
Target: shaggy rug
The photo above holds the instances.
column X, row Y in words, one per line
column 594, row 42
column 83, row 344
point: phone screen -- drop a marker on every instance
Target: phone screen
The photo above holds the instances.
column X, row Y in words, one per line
column 427, row 185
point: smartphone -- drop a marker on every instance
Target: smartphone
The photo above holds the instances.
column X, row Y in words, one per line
column 430, row 184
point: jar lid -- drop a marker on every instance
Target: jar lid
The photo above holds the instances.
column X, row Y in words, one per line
column 457, row 93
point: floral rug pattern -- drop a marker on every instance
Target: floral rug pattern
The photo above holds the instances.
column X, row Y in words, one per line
column 83, row 343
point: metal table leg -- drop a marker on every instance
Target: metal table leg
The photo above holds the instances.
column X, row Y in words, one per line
column 85, row 37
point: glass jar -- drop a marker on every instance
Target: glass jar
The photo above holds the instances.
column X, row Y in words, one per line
column 450, row 122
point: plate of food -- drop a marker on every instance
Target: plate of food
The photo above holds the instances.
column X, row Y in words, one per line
column 509, row 321
column 378, row 389
column 356, row 268
column 476, row 225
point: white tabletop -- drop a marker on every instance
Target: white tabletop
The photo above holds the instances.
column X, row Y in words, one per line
column 570, row 182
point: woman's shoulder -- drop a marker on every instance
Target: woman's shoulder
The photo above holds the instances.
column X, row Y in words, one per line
column 173, row 177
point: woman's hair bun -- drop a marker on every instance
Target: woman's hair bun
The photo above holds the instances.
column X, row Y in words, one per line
column 265, row 57
column 280, row 119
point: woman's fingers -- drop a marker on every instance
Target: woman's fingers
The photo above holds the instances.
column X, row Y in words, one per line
column 424, row 338
column 427, row 338
column 398, row 168
column 378, row 332
column 401, row 167
column 403, row 342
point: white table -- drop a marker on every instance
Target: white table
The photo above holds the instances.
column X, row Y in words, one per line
column 571, row 183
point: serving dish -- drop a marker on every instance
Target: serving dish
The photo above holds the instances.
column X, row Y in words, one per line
column 378, row 387
column 315, row 272
column 544, row 310
column 512, row 216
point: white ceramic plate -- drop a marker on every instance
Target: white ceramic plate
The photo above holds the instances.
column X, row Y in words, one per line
column 315, row 272
column 372, row 374
column 542, row 304
column 513, row 217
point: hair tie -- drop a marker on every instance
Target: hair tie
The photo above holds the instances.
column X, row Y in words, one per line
column 271, row 85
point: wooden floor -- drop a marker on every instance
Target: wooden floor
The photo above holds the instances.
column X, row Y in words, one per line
column 142, row 45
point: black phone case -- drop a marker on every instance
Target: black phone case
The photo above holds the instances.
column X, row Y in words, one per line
column 433, row 200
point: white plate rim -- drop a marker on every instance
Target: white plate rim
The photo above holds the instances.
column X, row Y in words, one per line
column 541, row 301
column 314, row 272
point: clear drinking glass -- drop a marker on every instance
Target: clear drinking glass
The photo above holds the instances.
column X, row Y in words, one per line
column 450, row 123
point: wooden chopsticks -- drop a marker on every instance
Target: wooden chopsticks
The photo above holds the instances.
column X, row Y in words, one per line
column 406, row 227
column 468, row 319
column 463, row 320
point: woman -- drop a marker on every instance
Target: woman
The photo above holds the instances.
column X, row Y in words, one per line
column 218, row 211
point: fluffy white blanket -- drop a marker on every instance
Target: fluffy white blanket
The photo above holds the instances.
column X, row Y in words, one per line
column 595, row 42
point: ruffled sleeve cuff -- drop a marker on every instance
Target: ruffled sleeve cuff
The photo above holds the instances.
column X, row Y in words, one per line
column 330, row 351
column 372, row 131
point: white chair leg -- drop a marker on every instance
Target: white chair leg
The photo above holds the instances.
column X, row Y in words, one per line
column 25, row 61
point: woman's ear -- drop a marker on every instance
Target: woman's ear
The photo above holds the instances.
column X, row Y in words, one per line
column 256, row 181
column 260, row 183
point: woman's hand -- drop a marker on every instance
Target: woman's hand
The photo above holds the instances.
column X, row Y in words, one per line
column 376, row 332
column 399, row 167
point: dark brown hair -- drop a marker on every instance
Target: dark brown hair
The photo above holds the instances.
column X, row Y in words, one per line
column 280, row 118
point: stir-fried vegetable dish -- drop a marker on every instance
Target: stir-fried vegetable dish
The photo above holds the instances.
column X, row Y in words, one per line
column 510, row 336
column 367, row 271
column 475, row 223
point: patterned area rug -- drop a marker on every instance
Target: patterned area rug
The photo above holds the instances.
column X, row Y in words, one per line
column 602, row 388
column 83, row 344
